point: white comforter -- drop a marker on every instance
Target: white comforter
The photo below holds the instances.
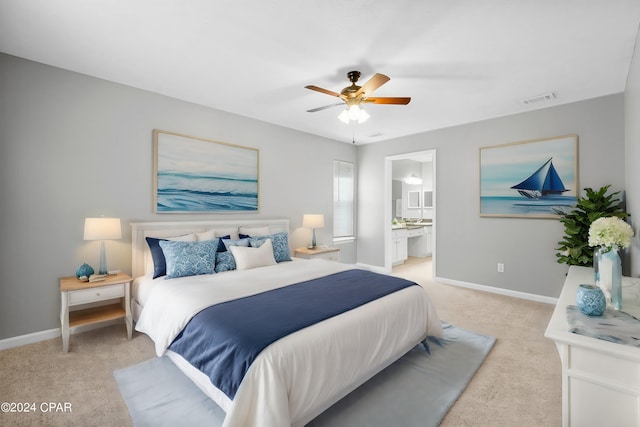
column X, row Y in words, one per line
column 296, row 378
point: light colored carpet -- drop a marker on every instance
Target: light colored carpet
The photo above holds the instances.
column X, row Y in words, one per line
column 416, row 390
column 518, row 384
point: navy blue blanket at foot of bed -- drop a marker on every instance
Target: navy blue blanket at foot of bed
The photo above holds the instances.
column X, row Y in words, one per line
column 223, row 340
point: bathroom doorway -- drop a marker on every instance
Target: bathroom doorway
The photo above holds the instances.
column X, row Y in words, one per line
column 410, row 204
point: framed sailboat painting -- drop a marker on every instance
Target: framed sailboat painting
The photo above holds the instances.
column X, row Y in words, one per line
column 529, row 179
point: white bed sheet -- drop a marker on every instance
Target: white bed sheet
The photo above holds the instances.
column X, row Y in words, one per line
column 296, row 378
column 142, row 287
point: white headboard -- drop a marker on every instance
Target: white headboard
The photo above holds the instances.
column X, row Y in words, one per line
column 140, row 230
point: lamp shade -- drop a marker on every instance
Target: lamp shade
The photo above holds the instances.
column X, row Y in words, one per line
column 102, row 229
column 313, row 221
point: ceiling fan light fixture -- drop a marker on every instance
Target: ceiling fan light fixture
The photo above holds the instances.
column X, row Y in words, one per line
column 353, row 114
column 413, row 180
column 344, row 117
column 362, row 115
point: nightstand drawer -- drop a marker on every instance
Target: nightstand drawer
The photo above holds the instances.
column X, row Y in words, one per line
column 96, row 294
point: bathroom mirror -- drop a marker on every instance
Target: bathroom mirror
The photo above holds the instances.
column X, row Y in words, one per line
column 413, row 199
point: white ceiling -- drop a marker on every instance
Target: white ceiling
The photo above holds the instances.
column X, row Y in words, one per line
column 460, row 61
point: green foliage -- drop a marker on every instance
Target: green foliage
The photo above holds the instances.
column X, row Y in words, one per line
column 574, row 247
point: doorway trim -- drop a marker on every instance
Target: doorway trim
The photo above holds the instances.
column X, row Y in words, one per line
column 388, row 177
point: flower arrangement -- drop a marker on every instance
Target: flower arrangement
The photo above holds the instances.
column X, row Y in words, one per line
column 610, row 232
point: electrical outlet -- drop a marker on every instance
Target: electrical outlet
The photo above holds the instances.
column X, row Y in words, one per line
column 500, row 267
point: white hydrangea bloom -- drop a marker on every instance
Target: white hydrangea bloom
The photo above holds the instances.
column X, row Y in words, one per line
column 609, row 232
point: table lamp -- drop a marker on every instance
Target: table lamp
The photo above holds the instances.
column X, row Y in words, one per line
column 313, row 221
column 102, row 229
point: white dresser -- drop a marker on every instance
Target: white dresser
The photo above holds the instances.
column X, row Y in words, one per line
column 600, row 379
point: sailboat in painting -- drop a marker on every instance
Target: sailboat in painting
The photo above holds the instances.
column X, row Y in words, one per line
column 543, row 183
column 538, row 179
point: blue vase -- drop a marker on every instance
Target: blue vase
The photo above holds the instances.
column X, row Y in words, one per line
column 590, row 300
column 609, row 276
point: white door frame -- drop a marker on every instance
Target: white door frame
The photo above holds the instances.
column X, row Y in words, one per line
column 388, row 254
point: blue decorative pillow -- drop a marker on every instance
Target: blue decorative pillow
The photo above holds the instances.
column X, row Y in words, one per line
column 159, row 263
column 280, row 241
column 221, row 246
column 225, row 261
column 238, row 242
column 189, row 258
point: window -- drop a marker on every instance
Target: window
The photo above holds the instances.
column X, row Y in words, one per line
column 343, row 199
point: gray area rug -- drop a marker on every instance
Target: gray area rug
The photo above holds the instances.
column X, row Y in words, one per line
column 416, row 390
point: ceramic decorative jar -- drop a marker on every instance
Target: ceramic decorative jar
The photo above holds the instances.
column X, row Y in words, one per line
column 590, row 300
column 84, row 270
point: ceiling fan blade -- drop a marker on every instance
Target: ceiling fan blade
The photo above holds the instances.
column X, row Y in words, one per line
column 321, row 90
column 372, row 84
column 389, row 100
column 313, row 110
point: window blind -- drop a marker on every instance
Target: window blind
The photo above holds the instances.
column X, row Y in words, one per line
column 343, row 198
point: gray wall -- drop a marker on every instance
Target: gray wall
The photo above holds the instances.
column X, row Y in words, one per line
column 632, row 138
column 75, row 146
column 468, row 247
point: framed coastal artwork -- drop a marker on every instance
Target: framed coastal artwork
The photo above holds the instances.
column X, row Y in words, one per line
column 529, row 179
column 193, row 175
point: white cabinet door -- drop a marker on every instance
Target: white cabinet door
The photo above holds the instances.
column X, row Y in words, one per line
column 402, row 249
column 428, row 233
column 399, row 249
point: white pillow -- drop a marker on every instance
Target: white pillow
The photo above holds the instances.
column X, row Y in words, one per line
column 218, row 232
column 255, row 231
column 191, row 237
column 205, row 235
column 248, row 257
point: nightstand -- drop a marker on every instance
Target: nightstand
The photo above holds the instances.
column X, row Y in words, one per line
column 74, row 292
column 332, row 254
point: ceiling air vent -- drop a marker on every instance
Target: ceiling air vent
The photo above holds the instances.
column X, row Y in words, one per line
column 540, row 98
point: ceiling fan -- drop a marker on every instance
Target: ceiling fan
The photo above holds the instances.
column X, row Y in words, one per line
column 354, row 95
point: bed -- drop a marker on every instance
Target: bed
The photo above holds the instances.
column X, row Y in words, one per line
column 299, row 375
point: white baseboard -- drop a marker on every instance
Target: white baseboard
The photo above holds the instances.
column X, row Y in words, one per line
column 29, row 338
column 50, row 334
column 491, row 289
column 500, row 291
